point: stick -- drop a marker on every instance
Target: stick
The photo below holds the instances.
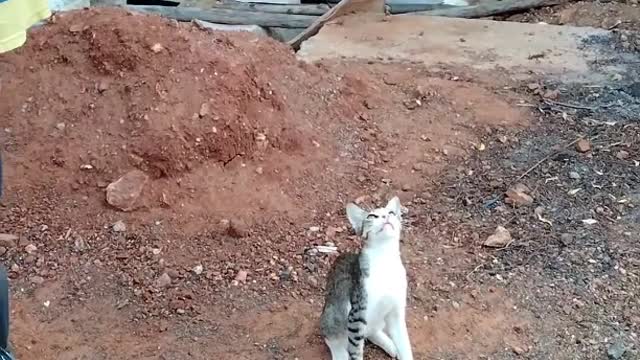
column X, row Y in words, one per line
column 547, row 158
column 490, row 8
column 317, row 25
column 227, row 16
column 571, row 106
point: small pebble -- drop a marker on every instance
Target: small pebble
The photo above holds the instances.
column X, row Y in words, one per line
column 616, row 350
column 119, row 226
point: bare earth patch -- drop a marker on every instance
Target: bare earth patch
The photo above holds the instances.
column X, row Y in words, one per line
column 251, row 157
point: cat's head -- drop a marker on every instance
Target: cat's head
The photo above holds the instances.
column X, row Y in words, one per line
column 381, row 223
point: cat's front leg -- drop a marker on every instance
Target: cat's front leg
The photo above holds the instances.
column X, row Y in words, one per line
column 397, row 328
column 382, row 340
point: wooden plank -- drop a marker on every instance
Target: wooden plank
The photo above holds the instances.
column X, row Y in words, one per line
column 304, row 9
column 228, row 16
column 489, row 8
column 275, row 2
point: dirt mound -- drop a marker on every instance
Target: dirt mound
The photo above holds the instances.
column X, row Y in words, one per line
column 116, row 92
column 248, row 158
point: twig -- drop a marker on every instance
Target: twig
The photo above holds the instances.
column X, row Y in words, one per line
column 474, row 270
column 317, row 25
column 618, row 23
column 571, row 106
column 547, row 158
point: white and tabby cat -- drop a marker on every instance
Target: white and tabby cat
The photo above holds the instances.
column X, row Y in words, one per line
column 367, row 292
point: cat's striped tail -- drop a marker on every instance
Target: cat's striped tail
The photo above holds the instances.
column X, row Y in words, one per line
column 357, row 325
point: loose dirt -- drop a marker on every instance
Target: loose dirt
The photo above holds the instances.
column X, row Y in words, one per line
column 617, row 14
column 251, row 157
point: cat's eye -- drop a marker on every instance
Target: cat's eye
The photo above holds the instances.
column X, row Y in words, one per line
column 372, row 216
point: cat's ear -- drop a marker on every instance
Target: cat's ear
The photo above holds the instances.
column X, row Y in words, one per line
column 356, row 217
column 394, row 205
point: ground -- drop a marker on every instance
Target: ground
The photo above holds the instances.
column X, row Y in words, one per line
column 608, row 14
column 251, row 156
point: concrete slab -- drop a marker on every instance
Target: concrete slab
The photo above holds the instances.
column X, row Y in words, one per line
column 563, row 52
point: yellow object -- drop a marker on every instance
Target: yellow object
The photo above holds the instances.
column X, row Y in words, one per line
column 16, row 16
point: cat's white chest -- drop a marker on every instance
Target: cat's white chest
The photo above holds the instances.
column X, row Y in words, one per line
column 386, row 288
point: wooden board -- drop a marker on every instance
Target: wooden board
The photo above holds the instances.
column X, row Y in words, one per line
column 228, row 16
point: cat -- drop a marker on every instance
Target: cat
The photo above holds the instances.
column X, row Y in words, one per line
column 5, row 346
column 366, row 293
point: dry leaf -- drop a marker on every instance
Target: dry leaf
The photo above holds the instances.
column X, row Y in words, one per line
column 574, row 191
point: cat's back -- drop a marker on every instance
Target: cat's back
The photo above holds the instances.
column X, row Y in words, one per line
column 344, row 271
column 342, row 278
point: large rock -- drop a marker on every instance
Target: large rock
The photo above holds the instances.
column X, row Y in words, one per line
column 124, row 193
column 500, row 238
column 518, row 196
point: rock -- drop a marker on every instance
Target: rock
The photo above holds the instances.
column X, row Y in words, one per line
column 163, row 281
column 61, row 126
column 237, row 229
column 566, row 239
column 30, row 249
column 157, row 47
column 331, row 231
column 103, row 86
column 412, row 104
column 583, row 145
column 259, row 170
column 8, row 240
column 198, row 269
column 500, row 238
column 361, row 199
column 314, row 228
column 80, row 244
column 119, row 226
column 205, row 110
column 38, row 280
column 518, row 350
column 517, row 196
column 574, row 175
column 312, row 281
column 419, row 166
column 622, row 155
column 75, row 28
column 616, row 350
column 551, row 94
column 173, row 273
column 124, row 192
column 241, row 276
